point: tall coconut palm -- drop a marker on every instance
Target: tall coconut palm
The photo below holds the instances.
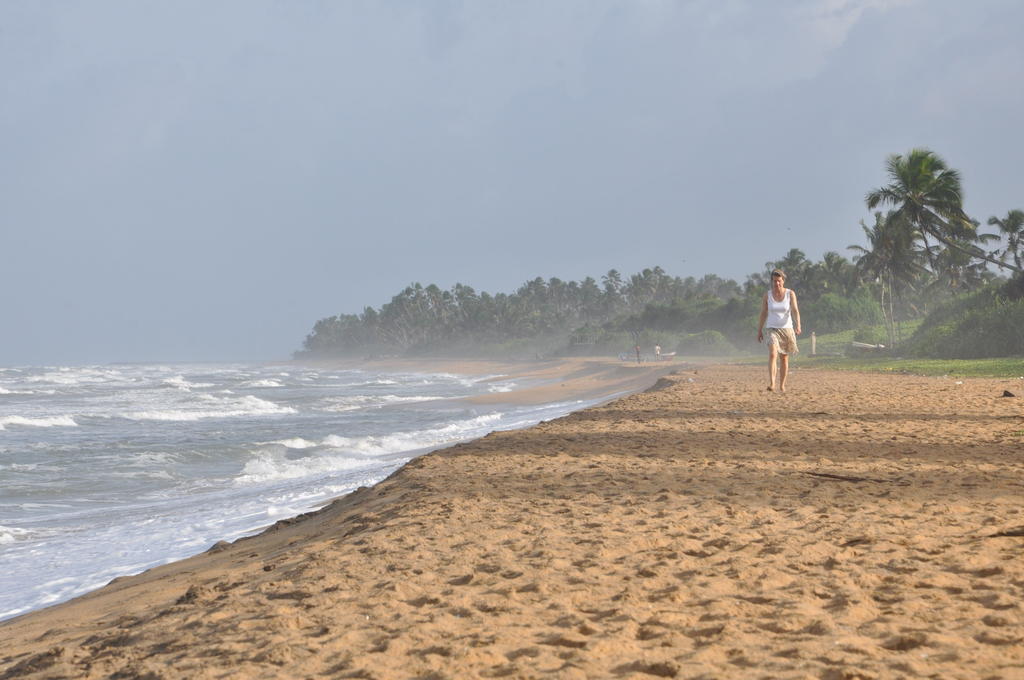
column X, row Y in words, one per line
column 833, row 274
column 928, row 194
column 1011, row 228
column 957, row 272
column 893, row 260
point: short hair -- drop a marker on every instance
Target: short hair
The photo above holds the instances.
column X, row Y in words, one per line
column 779, row 273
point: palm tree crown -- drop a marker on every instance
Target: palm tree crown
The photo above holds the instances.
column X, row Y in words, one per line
column 1012, row 228
column 928, row 194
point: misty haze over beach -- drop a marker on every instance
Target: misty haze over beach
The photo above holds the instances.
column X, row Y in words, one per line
column 383, row 338
column 195, row 181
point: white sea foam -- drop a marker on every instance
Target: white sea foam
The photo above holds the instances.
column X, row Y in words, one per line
column 12, row 534
column 27, row 467
column 51, row 421
column 342, row 404
column 179, row 382
column 297, row 443
column 356, row 452
column 76, row 376
column 218, row 407
column 411, row 441
column 269, row 467
column 23, row 392
column 262, row 383
column 182, row 383
column 155, row 458
column 142, row 474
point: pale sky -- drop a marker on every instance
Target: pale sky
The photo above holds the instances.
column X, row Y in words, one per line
column 202, row 180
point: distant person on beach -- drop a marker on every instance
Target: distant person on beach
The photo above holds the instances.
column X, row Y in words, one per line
column 657, row 352
column 780, row 316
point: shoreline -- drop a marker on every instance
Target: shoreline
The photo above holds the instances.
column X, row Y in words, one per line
column 523, row 393
column 700, row 528
column 551, row 380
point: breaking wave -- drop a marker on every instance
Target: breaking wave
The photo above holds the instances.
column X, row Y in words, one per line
column 216, row 407
column 51, row 421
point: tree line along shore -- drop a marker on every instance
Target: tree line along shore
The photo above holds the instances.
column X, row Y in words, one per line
column 929, row 281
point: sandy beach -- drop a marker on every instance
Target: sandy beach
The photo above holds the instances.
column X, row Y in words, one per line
column 859, row 526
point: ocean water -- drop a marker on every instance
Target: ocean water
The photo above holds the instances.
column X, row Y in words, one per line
column 110, row 470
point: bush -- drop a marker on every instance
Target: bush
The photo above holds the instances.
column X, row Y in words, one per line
column 832, row 313
column 705, row 343
column 873, row 335
column 1014, row 288
column 985, row 324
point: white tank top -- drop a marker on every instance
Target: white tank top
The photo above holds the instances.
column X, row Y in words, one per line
column 778, row 312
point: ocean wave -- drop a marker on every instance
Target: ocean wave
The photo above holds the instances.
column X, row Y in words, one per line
column 30, row 467
column 371, row 382
column 154, row 458
column 448, row 378
column 297, row 443
column 4, row 391
column 76, row 376
column 181, row 383
column 262, row 383
column 12, row 534
column 381, row 445
column 52, row 421
column 269, row 467
column 342, row 404
column 220, row 408
column 340, row 454
column 142, row 474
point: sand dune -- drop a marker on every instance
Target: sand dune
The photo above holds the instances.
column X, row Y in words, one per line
column 860, row 526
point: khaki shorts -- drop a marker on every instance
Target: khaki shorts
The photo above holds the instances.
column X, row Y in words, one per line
column 784, row 339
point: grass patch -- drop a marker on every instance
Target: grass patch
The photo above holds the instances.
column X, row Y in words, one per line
column 839, row 343
column 834, row 351
column 970, row 368
column 832, row 344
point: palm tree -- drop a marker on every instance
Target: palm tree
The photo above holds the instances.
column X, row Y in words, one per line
column 893, row 260
column 834, row 274
column 957, row 272
column 929, row 196
column 795, row 264
column 1012, row 228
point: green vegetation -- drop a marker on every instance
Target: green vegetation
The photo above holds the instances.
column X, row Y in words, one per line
column 985, row 324
column 838, row 344
column 961, row 368
column 921, row 286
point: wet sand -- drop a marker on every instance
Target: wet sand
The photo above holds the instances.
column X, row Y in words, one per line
column 860, row 526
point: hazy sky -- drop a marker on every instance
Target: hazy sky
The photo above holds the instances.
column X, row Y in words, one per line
column 205, row 179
